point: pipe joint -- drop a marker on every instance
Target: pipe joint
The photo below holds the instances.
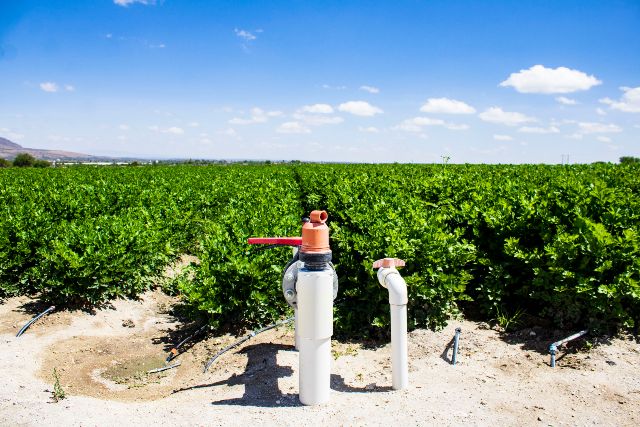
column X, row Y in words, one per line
column 391, row 279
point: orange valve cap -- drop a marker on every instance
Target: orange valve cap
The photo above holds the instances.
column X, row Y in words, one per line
column 388, row 263
column 315, row 234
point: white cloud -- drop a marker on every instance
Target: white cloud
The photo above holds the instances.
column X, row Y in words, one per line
column 124, row 127
column 174, row 130
column 326, row 86
column 359, row 108
column 370, row 89
column 9, row 134
column 318, row 119
column 292, row 128
column 318, row 109
column 408, row 126
column 258, row 115
column 417, row 123
column 605, row 139
column 194, row 124
column 244, row 35
column 446, row 106
column 49, row 87
column 126, row 3
column 69, row 88
column 629, row 103
column 369, row 129
column 497, row 115
column 601, row 112
column 502, row 137
column 229, row 132
column 539, row 130
column 426, row 121
column 591, row 127
column 539, row 79
column 566, row 101
column 456, row 126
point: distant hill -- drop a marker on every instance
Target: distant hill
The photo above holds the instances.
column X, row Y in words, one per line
column 9, row 149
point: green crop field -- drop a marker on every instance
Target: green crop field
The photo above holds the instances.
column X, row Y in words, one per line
column 559, row 243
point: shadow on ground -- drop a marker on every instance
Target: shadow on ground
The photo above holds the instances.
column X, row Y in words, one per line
column 260, row 380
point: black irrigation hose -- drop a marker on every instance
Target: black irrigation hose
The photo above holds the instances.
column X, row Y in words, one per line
column 35, row 319
column 174, row 351
column 243, row 339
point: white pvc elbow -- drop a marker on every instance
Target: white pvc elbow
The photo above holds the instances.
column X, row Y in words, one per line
column 390, row 278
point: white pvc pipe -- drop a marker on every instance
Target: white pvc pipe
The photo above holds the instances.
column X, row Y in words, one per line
column 295, row 329
column 315, row 328
column 398, row 298
column 295, row 314
column 399, row 357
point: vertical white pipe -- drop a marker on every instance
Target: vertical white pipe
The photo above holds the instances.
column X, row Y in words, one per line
column 295, row 329
column 399, row 356
column 295, row 314
column 398, row 299
column 315, row 325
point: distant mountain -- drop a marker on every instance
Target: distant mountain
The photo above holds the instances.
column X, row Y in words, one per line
column 9, row 149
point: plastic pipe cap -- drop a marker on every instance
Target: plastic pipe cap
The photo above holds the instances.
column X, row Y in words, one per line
column 315, row 234
column 388, row 263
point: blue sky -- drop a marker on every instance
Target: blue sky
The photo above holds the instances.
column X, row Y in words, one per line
column 370, row 81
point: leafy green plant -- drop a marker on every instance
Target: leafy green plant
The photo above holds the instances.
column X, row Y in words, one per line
column 562, row 243
column 509, row 321
column 58, row 393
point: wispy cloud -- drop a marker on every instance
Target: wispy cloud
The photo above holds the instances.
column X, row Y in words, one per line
column 245, row 35
column 49, row 87
column 446, row 106
column 499, row 116
column 258, row 115
column 318, row 109
column 368, row 129
column 596, row 127
column 173, row 130
column 629, row 103
column 359, row 108
column 417, row 123
column 502, row 137
column 539, row 79
column 126, row 3
column 370, row 89
column 326, row 86
column 566, row 101
column 318, row 119
column 293, row 128
column 13, row 136
column 538, row 130
column 604, row 139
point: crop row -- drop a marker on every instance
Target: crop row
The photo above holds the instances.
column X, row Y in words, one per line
column 559, row 243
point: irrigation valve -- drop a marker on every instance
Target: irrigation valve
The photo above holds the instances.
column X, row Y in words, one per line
column 309, row 285
column 390, row 278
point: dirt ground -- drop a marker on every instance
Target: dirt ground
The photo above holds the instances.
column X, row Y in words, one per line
column 102, row 361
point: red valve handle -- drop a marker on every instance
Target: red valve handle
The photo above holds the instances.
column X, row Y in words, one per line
column 388, row 262
column 284, row 241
